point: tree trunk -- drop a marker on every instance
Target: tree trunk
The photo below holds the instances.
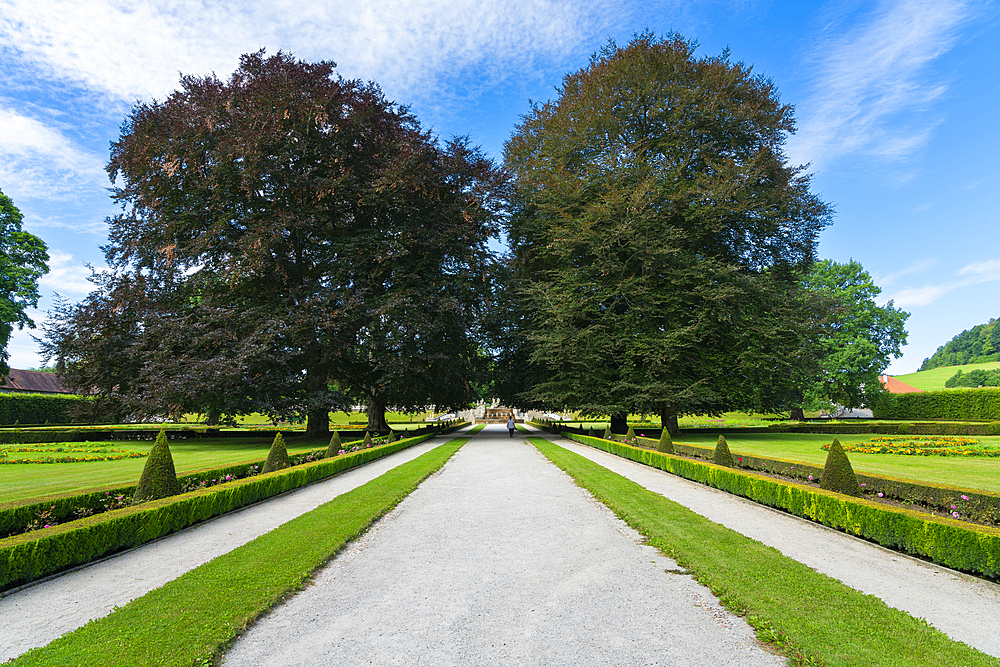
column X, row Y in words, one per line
column 212, row 416
column 318, row 422
column 797, row 414
column 376, row 415
column 619, row 423
column 668, row 420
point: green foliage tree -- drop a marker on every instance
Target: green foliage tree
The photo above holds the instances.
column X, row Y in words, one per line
column 722, row 456
column 277, row 457
column 291, row 243
column 23, row 260
column 858, row 338
column 657, row 231
column 158, row 478
column 838, row 474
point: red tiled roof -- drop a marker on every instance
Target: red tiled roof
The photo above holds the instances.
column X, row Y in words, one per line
column 33, row 381
column 894, row 386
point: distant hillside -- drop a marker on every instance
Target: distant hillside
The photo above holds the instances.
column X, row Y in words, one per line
column 976, row 346
column 936, row 378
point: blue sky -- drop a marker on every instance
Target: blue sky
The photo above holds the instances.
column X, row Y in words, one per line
column 896, row 103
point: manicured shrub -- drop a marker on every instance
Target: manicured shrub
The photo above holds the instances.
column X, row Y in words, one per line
column 334, row 446
column 723, row 456
column 607, row 433
column 838, row 474
column 665, row 445
column 367, row 442
column 277, row 458
column 158, row 478
column 948, row 404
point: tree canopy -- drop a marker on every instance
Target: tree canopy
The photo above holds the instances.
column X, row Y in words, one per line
column 658, row 232
column 290, row 242
column 977, row 345
column 23, row 260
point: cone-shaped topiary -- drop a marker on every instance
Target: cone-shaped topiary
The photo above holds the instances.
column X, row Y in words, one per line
column 277, row 458
column 630, row 436
column 334, row 446
column 838, row 474
column 723, row 456
column 367, row 442
column 158, row 478
column 607, row 433
column 665, row 445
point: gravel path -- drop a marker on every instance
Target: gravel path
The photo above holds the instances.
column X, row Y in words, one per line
column 500, row 559
column 965, row 608
column 36, row 615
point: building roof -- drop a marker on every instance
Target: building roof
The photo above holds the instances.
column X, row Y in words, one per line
column 33, row 381
column 894, row 386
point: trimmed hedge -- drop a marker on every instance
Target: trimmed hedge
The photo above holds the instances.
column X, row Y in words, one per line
column 979, row 506
column 952, row 404
column 30, row 556
column 951, row 543
column 37, row 408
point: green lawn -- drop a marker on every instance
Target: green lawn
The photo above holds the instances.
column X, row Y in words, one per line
column 21, row 481
column 968, row 473
column 935, row 378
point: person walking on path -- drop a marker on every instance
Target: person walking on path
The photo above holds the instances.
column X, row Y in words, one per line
column 510, row 425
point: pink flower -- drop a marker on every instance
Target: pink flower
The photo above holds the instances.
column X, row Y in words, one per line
column 953, row 507
column 810, row 478
column 863, row 485
column 954, row 514
column 965, row 497
column 880, row 494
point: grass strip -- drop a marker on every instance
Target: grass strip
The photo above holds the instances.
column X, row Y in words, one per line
column 193, row 618
column 476, row 429
column 811, row 618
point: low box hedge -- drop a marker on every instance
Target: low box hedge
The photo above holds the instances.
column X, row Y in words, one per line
column 954, row 544
column 976, row 505
column 30, row 556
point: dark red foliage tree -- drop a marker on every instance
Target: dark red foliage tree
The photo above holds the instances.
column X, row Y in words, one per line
column 298, row 244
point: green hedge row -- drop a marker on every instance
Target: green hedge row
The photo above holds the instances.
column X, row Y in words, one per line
column 951, row 543
column 976, row 505
column 25, row 558
column 952, row 404
column 37, row 408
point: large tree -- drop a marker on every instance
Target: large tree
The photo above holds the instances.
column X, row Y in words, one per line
column 23, row 258
column 270, row 238
column 857, row 339
column 658, row 230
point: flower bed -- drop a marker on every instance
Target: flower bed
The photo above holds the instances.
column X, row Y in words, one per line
column 922, row 446
column 65, row 452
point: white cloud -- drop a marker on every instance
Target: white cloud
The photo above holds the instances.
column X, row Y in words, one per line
column 982, row 271
column 38, row 160
column 915, row 267
column 975, row 274
column 866, row 79
column 66, row 275
column 135, row 50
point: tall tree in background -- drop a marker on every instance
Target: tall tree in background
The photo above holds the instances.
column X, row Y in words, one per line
column 658, row 232
column 23, row 260
column 268, row 224
column 858, row 339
